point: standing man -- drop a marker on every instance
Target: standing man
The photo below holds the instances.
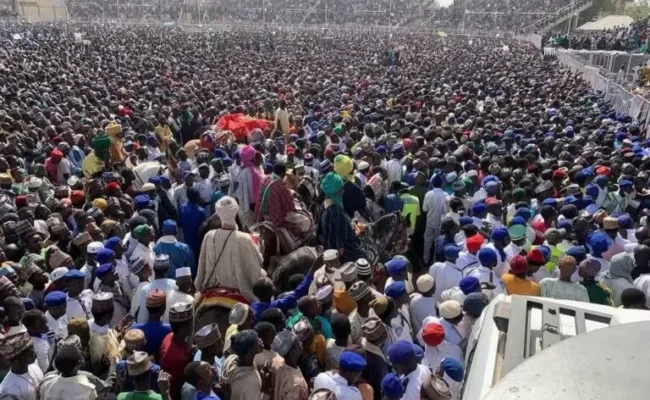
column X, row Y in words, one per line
column 435, row 206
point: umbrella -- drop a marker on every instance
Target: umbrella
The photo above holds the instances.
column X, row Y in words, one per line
column 442, row 34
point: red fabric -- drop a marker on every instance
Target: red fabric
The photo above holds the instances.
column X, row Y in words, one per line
column 433, row 334
column 278, row 199
column 474, row 243
column 535, row 256
column 77, row 197
column 52, row 167
column 603, row 171
column 540, row 228
column 518, row 265
column 173, row 360
column 112, row 186
column 241, row 125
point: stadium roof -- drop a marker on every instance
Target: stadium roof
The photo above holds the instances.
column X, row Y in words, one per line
column 609, row 22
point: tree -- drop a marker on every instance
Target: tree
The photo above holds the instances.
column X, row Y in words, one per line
column 639, row 10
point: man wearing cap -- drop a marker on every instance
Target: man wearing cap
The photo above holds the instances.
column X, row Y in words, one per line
column 562, row 288
column 446, row 274
column 343, row 301
column 180, row 192
column 392, row 387
column 174, row 350
column 288, row 381
column 362, row 295
column 401, row 322
column 104, row 344
column 342, row 383
column 435, row 206
column 423, row 304
column 517, row 234
column 55, row 316
column 92, row 251
column 488, row 259
column 329, row 271
column 154, row 329
column 516, row 280
column 110, row 283
column 402, row 356
column 78, row 301
column 161, row 272
column 210, row 344
column 374, row 343
column 140, row 369
column 24, row 374
column 397, row 269
column 180, row 254
column 468, row 259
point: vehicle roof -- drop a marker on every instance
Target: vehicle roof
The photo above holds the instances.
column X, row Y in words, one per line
column 603, row 364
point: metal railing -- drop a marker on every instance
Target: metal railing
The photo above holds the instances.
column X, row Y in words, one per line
column 559, row 14
column 621, row 99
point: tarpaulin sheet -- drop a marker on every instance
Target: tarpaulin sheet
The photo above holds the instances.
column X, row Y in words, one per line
column 241, row 125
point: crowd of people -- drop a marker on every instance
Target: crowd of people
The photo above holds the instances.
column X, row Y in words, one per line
column 633, row 38
column 471, row 15
column 343, row 248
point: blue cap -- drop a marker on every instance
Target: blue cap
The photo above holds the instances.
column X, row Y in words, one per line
column 219, row 153
column 453, row 368
column 325, row 166
column 75, row 274
column 592, row 190
column 110, row 244
column 625, row 222
column 188, row 174
column 226, row 161
column 141, row 201
column 465, row 220
column 625, row 183
column 105, row 269
column 565, row 224
column 601, row 179
column 487, row 257
column 56, row 298
column 437, row 180
column 396, row 265
column 170, row 227
column 592, row 208
column 164, row 179
column 489, row 178
column 546, row 252
column 517, row 221
column 451, row 250
column 550, row 202
column 578, row 253
column 381, row 149
column 155, row 180
column 500, row 234
column 351, row 361
column 599, row 242
column 28, row 303
column 400, row 352
column 469, row 284
column 104, row 256
column 397, row 148
column 392, row 386
column 419, row 352
column 570, row 199
column 395, row 290
column 479, row 208
column 523, row 212
column 475, row 303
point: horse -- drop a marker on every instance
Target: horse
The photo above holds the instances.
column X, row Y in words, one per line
column 147, row 170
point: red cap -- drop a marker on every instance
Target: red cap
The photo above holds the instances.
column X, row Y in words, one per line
column 519, row 264
column 535, row 256
column 491, row 201
column 77, row 197
column 407, row 142
column 559, row 174
column 21, row 200
column 603, row 171
column 474, row 243
column 112, row 186
column 433, row 334
column 56, row 153
column 532, row 169
column 291, row 150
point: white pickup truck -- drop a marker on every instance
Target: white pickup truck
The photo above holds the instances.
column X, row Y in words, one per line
column 517, row 351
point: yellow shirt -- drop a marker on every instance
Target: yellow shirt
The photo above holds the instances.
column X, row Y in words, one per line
column 522, row 287
column 92, row 165
column 164, row 134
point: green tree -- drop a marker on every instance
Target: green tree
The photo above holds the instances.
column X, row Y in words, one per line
column 639, row 10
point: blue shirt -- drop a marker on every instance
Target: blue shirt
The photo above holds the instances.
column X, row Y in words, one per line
column 180, row 255
column 287, row 302
column 191, row 218
column 202, row 396
column 217, row 364
column 154, row 333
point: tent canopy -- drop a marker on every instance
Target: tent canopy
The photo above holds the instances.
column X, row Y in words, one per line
column 608, row 22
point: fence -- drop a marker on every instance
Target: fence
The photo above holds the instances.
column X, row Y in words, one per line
column 622, row 100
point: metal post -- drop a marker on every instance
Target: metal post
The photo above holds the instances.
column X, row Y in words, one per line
column 390, row 12
column 326, row 12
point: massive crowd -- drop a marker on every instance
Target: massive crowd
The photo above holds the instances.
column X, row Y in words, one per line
column 471, row 15
column 633, row 38
column 371, row 195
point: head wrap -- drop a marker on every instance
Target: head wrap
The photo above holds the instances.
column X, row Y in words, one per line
column 590, row 267
column 344, row 166
column 331, row 186
column 226, row 209
column 474, row 304
column 469, row 284
column 433, row 334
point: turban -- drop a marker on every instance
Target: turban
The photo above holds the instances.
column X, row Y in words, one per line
column 487, row 257
column 343, row 166
column 433, row 334
column 226, row 208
